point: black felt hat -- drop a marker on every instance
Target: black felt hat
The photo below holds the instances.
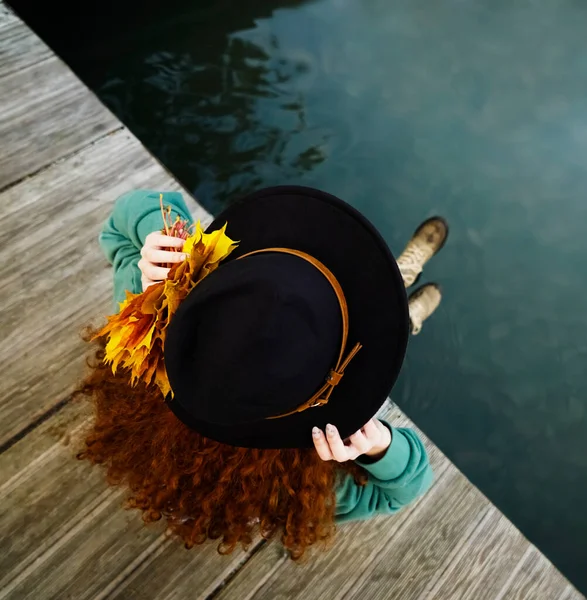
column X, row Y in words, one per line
column 262, row 336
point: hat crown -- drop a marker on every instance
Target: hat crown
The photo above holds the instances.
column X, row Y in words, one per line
column 258, row 337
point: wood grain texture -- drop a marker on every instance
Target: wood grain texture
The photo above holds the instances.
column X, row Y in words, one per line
column 16, row 467
column 482, row 563
column 534, row 577
column 65, row 534
column 45, row 114
column 19, row 47
column 55, row 278
column 174, row 573
column 257, row 574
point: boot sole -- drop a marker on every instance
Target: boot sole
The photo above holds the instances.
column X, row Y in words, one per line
column 420, row 290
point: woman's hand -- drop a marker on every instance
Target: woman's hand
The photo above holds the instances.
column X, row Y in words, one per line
column 372, row 440
column 153, row 256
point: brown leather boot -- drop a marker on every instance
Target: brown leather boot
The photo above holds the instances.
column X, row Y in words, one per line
column 422, row 303
column 428, row 239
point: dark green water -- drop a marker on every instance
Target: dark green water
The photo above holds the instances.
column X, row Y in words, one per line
column 473, row 110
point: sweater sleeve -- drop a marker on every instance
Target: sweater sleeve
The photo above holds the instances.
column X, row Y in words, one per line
column 395, row 480
column 134, row 216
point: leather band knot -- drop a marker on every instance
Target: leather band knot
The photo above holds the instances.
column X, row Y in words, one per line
column 334, row 378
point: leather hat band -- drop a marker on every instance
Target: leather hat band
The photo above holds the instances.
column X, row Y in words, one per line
column 322, row 396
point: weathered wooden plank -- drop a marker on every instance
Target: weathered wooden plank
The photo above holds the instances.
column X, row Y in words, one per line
column 6, row 14
column 19, row 46
column 257, row 574
column 45, row 114
column 55, row 279
column 270, row 574
column 28, row 512
column 65, row 534
column 468, row 554
column 482, row 563
column 535, row 577
column 16, row 467
column 176, row 573
column 107, row 545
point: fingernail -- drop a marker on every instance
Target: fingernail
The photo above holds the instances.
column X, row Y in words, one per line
column 315, row 432
column 330, row 428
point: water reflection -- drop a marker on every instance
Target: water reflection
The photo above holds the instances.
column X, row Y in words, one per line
column 224, row 128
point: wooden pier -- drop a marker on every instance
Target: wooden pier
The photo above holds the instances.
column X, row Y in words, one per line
column 65, row 159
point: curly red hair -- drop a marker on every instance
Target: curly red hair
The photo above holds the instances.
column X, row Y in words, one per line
column 205, row 489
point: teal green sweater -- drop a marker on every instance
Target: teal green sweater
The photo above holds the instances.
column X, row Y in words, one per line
column 396, row 479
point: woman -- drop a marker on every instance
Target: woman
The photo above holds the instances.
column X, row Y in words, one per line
column 247, row 375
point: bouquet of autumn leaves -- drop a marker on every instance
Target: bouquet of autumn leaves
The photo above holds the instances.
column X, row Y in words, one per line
column 136, row 334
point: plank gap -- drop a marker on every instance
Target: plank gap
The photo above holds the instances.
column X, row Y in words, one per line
column 235, row 571
column 31, row 66
column 34, row 424
column 62, row 158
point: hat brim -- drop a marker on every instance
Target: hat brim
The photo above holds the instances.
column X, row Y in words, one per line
column 349, row 245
